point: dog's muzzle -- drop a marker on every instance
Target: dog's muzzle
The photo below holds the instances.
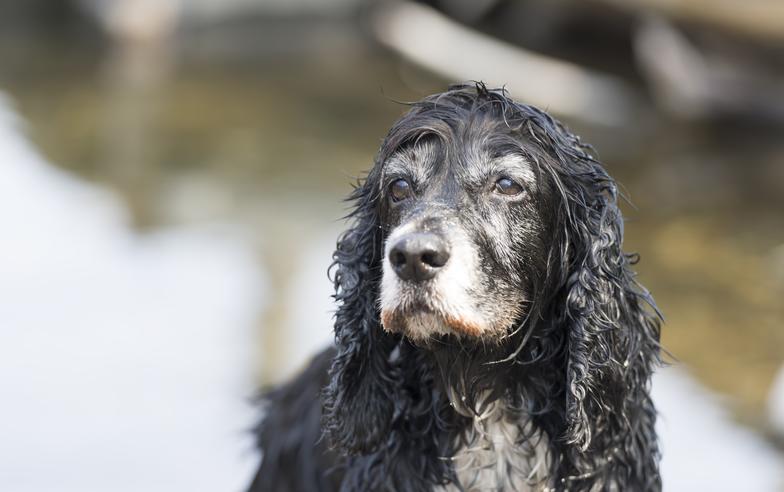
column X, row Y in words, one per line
column 418, row 256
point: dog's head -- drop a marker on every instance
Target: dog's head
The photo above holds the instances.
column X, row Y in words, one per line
column 486, row 226
column 466, row 214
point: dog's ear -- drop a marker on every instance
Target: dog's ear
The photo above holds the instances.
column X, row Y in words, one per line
column 358, row 402
column 612, row 329
column 610, row 324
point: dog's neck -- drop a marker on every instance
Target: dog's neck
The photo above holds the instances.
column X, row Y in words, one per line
column 500, row 449
column 497, row 446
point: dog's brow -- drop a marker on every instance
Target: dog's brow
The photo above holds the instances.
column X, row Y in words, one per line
column 514, row 165
column 517, row 165
column 417, row 162
column 397, row 165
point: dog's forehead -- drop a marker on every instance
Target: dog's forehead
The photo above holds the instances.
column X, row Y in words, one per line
column 511, row 164
column 470, row 163
column 420, row 161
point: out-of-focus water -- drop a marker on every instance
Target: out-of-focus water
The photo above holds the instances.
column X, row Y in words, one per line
column 124, row 357
column 273, row 139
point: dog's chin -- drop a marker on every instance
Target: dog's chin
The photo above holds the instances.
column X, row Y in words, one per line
column 423, row 325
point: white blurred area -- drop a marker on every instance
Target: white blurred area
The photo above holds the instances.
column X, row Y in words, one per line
column 125, row 359
column 702, row 447
column 776, row 403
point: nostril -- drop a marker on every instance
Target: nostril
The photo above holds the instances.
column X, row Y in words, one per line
column 429, row 259
column 397, row 258
column 434, row 258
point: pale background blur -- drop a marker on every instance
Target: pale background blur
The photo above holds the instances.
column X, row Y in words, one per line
column 171, row 177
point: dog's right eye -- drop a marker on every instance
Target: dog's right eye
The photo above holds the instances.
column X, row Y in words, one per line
column 399, row 190
column 507, row 186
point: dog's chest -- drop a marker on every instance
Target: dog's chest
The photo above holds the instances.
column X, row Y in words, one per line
column 501, row 455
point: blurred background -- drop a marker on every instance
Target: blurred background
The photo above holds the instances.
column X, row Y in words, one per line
column 171, row 184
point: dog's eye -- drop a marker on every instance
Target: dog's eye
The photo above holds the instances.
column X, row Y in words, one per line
column 399, row 190
column 507, row 186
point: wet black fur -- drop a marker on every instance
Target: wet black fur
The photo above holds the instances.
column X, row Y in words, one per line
column 579, row 367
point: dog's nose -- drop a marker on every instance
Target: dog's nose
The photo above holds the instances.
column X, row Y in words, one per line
column 418, row 256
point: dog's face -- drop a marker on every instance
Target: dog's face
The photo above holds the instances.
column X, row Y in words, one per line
column 465, row 219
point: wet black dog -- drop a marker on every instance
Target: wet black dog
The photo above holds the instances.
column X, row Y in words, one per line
column 490, row 334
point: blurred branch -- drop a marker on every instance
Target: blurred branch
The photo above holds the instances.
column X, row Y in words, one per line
column 690, row 83
column 759, row 18
column 434, row 41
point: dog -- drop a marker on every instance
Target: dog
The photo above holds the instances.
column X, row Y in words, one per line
column 490, row 333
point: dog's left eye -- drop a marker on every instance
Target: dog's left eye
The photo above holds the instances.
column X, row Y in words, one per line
column 507, row 186
column 399, row 190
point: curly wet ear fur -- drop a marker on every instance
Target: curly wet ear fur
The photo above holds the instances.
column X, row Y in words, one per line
column 611, row 326
column 612, row 350
column 358, row 402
